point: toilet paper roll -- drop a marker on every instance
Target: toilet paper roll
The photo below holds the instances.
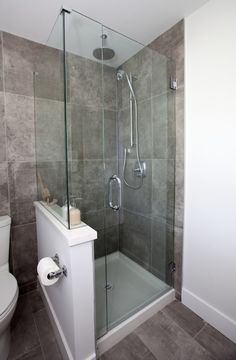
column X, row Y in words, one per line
column 45, row 266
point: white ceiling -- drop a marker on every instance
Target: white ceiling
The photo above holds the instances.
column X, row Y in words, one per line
column 142, row 20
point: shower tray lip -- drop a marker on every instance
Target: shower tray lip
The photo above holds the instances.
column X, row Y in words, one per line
column 72, row 237
column 113, row 336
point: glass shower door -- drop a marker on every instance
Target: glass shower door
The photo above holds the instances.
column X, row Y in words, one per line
column 139, row 241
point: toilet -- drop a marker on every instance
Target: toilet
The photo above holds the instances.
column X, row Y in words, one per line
column 8, row 288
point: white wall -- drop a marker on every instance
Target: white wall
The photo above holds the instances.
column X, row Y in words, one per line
column 209, row 282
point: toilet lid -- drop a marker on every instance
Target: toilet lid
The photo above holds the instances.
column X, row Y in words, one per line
column 8, row 290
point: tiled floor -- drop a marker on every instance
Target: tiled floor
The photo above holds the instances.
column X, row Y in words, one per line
column 175, row 333
column 32, row 334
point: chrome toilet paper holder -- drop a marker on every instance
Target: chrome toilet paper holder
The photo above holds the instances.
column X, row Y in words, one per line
column 59, row 273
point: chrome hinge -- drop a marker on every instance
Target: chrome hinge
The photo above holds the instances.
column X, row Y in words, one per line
column 173, row 83
column 172, row 267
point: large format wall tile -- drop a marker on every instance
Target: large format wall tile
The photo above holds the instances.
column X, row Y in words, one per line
column 85, row 81
column 180, row 123
column 109, row 88
column 2, row 129
column 135, row 237
column 110, row 135
column 163, row 188
column 19, row 59
column 158, row 248
column 93, row 196
column 140, row 202
column 24, row 251
column 53, row 175
column 22, row 58
column 76, row 178
column 49, row 78
column 160, row 74
column 144, row 130
column 87, row 132
column 166, row 42
column 107, row 241
column 23, row 192
column 4, row 195
column 163, row 119
column 77, row 139
column 179, row 192
column 20, row 127
column 92, row 134
column 140, row 66
column 50, row 130
column 178, row 259
column 1, row 63
column 135, row 245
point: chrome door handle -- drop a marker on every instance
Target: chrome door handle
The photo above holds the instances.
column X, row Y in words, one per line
column 114, row 178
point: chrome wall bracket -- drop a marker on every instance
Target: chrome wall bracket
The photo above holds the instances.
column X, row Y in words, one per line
column 59, row 273
column 140, row 172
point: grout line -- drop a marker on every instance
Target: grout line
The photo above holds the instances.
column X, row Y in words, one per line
column 37, row 330
column 22, row 356
column 193, row 337
column 203, row 327
column 145, row 346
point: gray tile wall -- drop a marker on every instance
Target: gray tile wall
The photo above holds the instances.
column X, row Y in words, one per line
column 171, row 44
column 19, row 58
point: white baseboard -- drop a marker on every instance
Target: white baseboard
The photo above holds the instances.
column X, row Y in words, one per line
column 210, row 314
column 61, row 340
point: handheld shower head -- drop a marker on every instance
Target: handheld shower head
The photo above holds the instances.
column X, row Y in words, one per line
column 120, row 74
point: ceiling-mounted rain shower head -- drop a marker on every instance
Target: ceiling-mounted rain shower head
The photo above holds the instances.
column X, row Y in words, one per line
column 103, row 53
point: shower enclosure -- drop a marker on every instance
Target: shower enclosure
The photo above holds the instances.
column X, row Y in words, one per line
column 105, row 144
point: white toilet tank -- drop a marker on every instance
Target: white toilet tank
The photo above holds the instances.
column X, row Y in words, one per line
column 5, row 223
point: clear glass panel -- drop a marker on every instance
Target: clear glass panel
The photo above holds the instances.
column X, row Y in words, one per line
column 50, row 125
column 85, row 118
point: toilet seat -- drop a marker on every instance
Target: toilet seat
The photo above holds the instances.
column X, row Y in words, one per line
column 8, row 291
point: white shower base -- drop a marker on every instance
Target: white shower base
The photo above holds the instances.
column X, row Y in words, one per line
column 134, row 296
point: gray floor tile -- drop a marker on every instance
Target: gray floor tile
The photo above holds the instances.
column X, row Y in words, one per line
column 216, row 343
column 167, row 341
column 47, row 339
column 36, row 301
column 130, row 348
column 24, row 336
column 184, row 317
